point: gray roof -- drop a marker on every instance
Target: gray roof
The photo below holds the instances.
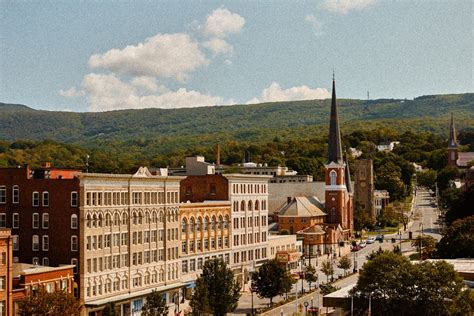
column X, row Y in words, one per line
column 303, row 206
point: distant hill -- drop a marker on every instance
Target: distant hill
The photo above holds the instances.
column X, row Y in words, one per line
column 240, row 121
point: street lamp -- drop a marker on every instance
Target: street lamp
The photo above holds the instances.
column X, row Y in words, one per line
column 251, row 291
column 306, row 307
column 302, row 277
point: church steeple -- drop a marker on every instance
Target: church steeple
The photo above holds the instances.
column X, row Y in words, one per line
column 452, row 142
column 335, row 146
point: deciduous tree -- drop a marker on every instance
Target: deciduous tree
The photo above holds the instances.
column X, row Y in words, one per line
column 40, row 302
column 458, row 240
column 271, row 279
column 310, row 275
column 154, row 305
column 328, row 268
column 344, row 264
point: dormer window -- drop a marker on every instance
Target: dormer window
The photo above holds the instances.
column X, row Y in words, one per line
column 333, row 177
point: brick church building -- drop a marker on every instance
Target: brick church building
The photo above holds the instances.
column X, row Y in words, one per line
column 325, row 226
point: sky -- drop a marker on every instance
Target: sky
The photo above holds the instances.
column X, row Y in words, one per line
column 111, row 55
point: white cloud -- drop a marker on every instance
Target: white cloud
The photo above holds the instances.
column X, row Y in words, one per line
column 222, row 22
column 163, row 55
column 315, row 23
column 275, row 93
column 71, row 93
column 344, row 6
column 107, row 93
column 218, row 47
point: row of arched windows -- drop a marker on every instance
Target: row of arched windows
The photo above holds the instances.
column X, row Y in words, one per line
column 243, row 206
column 199, row 224
column 118, row 218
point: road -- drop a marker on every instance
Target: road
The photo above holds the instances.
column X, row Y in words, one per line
column 424, row 221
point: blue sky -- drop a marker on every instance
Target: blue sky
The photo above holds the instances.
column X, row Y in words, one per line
column 108, row 55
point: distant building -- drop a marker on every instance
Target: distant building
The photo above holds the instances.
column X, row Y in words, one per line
column 382, row 198
column 195, row 166
column 388, row 146
column 457, row 159
column 284, row 248
column 364, row 187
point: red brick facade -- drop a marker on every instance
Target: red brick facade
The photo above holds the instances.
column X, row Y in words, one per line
column 42, row 204
column 6, row 305
column 213, row 187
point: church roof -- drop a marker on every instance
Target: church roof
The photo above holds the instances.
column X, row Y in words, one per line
column 348, row 177
column 302, row 206
column 464, row 158
column 319, row 229
column 335, row 144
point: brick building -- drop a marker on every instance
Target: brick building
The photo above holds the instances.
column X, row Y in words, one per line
column 364, row 187
column 6, row 269
column 248, row 196
column 27, row 278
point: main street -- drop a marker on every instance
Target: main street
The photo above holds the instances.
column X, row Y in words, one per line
column 424, row 217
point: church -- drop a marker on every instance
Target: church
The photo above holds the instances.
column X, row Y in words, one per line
column 464, row 161
column 326, row 226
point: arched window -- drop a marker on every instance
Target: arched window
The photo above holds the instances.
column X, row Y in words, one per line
column 116, row 284
column 226, row 221
column 154, row 217
column 250, row 206
column 333, row 177
column 161, row 217
column 124, row 219
column 263, row 205
column 108, row 220
column 242, row 206
column 74, row 223
column 213, row 223
column 94, row 220
column 257, row 205
column 191, row 225
column 116, row 219
column 206, row 223
column 219, row 222
column 88, row 221
column 199, row 224
column 183, row 225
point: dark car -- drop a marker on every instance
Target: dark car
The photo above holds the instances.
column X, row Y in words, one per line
column 356, row 248
column 379, row 238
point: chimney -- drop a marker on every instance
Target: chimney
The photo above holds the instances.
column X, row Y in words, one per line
column 218, row 156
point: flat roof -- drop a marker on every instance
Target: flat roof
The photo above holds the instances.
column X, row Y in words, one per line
column 28, row 269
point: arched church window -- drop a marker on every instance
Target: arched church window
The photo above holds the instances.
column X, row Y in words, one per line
column 333, row 177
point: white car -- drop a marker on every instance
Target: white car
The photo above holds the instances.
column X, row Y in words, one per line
column 362, row 244
column 370, row 240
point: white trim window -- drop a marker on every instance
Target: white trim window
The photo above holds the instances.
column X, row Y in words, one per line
column 3, row 220
column 36, row 261
column 45, row 198
column 35, row 243
column 45, row 261
column 35, row 198
column 45, row 221
column 74, row 222
column 3, row 194
column 15, row 242
column 45, row 243
column 333, row 177
column 16, row 194
column 16, row 220
column 74, row 262
column 35, row 220
column 74, row 243
column 74, row 198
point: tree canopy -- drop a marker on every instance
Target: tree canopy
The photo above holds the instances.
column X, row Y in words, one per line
column 56, row 303
column 217, row 292
column 458, row 240
column 271, row 279
column 154, row 305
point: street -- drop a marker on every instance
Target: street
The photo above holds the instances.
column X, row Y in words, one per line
column 423, row 221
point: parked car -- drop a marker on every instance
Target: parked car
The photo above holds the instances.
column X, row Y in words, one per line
column 362, row 244
column 356, row 248
column 371, row 240
column 379, row 238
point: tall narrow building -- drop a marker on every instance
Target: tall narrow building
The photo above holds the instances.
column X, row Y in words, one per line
column 338, row 202
column 452, row 144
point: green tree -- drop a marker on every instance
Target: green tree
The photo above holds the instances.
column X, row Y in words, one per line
column 389, row 178
column 43, row 303
column 154, row 305
column 217, row 289
column 109, row 310
column 398, row 287
column 458, row 240
column 426, row 178
column 445, row 176
column 344, row 263
column 271, row 279
column 310, row 275
column 461, row 207
column 327, row 268
column 426, row 243
column 328, row 288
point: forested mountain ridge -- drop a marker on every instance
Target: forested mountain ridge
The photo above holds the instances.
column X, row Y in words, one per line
column 237, row 121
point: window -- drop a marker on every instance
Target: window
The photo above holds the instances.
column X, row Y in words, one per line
column 35, row 220
column 74, row 262
column 35, row 243
column 74, row 221
column 3, row 220
column 35, row 260
column 16, row 194
column 333, row 177
column 45, row 261
column 45, row 221
column 16, row 242
column 3, row 194
column 2, row 285
column 45, row 198
column 16, row 220
column 74, row 244
column 45, row 243
column 35, row 199
column 74, row 198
